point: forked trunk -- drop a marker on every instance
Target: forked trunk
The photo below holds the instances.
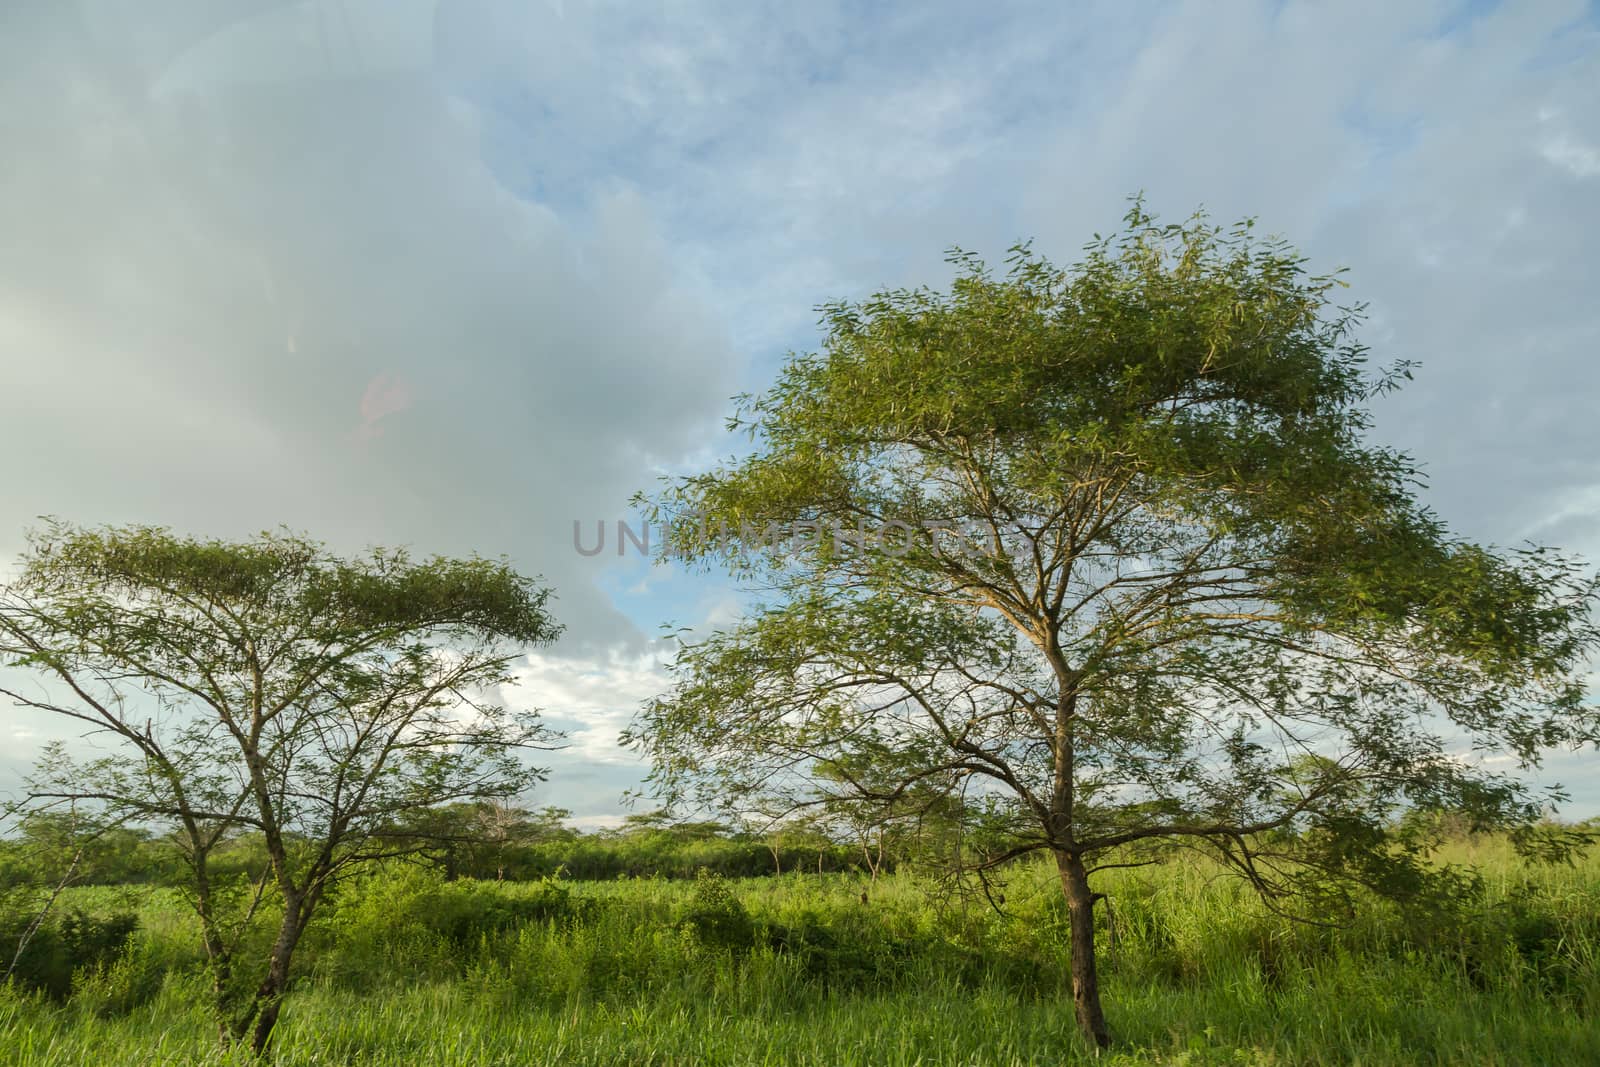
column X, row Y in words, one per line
column 268, row 999
column 1085, row 982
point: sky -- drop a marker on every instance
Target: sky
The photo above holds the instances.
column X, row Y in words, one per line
column 457, row 274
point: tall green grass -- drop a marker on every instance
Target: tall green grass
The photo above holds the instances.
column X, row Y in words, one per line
column 406, row 969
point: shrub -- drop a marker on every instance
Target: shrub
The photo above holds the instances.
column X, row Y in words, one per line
column 409, row 918
column 716, row 917
column 63, row 945
column 116, row 986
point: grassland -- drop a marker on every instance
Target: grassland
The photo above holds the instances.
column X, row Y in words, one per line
column 406, row 969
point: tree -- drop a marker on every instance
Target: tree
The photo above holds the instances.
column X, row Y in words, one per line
column 550, row 823
column 1109, row 547
column 270, row 688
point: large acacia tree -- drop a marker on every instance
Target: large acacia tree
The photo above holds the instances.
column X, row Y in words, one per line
column 274, row 689
column 1109, row 547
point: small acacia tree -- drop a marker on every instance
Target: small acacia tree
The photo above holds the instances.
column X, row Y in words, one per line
column 1107, row 546
column 271, row 688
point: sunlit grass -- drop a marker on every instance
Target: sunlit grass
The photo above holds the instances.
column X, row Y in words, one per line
column 1195, row 972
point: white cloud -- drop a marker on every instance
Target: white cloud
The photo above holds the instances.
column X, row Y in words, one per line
column 592, row 698
column 1580, row 160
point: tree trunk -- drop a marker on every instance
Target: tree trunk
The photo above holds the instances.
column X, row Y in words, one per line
column 219, row 958
column 269, row 995
column 219, row 964
column 1085, row 982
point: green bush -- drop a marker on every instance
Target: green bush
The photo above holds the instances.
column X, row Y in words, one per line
column 411, row 918
column 117, row 985
column 716, row 917
column 62, row 945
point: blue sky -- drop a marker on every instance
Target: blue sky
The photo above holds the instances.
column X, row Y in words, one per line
column 455, row 274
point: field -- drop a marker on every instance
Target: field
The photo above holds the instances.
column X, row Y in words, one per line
column 408, row 969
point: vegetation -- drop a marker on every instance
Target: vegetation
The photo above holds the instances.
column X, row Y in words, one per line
column 1105, row 552
column 406, row 967
column 269, row 687
column 453, row 840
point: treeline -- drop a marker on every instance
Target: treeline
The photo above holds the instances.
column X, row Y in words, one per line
column 497, row 842
column 490, row 841
column 480, row 841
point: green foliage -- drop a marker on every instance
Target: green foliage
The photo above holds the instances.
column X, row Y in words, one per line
column 48, row 844
column 61, row 945
column 716, row 916
column 118, row 984
column 370, row 919
column 281, row 577
column 455, row 842
column 500, row 842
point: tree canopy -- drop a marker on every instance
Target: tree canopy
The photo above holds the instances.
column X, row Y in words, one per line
column 1110, row 547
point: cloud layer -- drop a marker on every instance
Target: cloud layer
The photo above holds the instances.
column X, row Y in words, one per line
column 454, row 273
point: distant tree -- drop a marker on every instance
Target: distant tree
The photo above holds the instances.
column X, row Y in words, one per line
column 550, row 823
column 465, row 839
column 273, row 689
column 802, row 838
column 501, row 825
column 642, row 821
column 484, row 838
column 1108, row 544
column 866, row 793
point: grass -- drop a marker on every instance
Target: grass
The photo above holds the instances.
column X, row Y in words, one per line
column 407, row 970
